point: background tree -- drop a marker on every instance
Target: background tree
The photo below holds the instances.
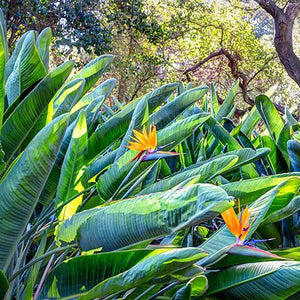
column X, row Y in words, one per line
column 155, row 41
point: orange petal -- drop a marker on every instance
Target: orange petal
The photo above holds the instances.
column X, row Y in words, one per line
column 246, row 229
column 244, row 219
column 230, row 218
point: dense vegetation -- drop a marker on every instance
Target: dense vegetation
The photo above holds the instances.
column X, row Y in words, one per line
column 83, row 215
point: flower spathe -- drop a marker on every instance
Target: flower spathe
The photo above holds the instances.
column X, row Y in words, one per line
column 238, row 226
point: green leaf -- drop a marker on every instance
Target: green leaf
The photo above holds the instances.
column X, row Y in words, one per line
column 265, row 280
column 74, row 160
column 292, row 207
column 67, row 96
column 102, row 91
column 2, row 77
column 117, row 125
column 208, row 169
column 139, row 118
column 170, row 111
column 293, row 148
column 3, row 35
column 291, row 253
column 227, row 105
column 214, row 104
column 43, row 42
column 251, row 189
column 27, row 70
column 262, row 208
column 204, row 172
column 93, row 71
column 270, row 116
column 12, row 60
column 80, row 274
column 291, row 120
column 239, row 254
column 222, row 135
column 109, row 183
column 153, row 267
column 3, row 284
column 17, row 200
column 250, row 122
column 151, row 216
column 28, row 293
column 19, row 124
column 98, row 166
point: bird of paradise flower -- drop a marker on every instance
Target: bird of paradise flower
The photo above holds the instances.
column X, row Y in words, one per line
column 240, row 225
column 146, row 144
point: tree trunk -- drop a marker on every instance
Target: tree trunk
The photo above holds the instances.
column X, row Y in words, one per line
column 284, row 20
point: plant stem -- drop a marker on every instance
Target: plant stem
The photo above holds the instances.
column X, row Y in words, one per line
column 46, row 217
column 43, row 277
column 125, row 179
column 162, row 291
column 34, row 261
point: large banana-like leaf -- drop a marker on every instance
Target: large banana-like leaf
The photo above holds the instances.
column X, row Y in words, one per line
column 289, row 210
column 203, row 172
column 2, row 86
column 224, row 137
column 170, row 111
column 152, row 267
column 221, row 134
column 266, row 205
column 3, row 35
column 227, row 105
column 116, row 126
column 293, row 148
column 195, row 287
column 2, row 80
column 51, row 184
column 209, row 169
column 80, row 274
column 240, row 254
column 250, row 122
column 266, row 280
column 98, row 166
column 270, row 116
column 67, row 96
column 3, row 284
column 20, row 123
column 279, row 132
column 93, row 70
column 74, row 160
column 27, row 70
column 43, row 42
column 102, row 91
column 139, row 118
column 214, row 104
column 21, row 187
column 175, row 134
column 67, row 230
column 151, row 216
column 12, row 60
column 251, row 189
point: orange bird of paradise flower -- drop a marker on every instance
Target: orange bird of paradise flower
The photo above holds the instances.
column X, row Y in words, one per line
column 146, row 144
column 238, row 226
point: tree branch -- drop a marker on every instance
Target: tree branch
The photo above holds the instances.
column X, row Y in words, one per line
column 244, row 81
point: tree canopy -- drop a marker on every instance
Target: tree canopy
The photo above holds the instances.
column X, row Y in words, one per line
column 171, row 40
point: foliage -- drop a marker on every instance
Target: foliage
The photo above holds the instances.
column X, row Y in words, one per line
column 154, row 41
column 81, row 218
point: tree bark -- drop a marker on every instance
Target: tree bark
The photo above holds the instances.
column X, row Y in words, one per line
column 284, row 20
